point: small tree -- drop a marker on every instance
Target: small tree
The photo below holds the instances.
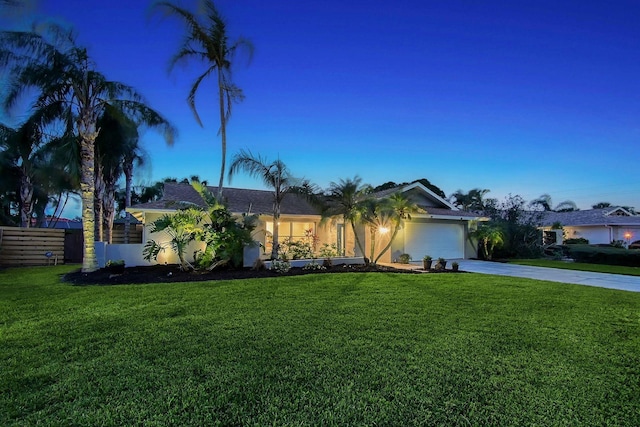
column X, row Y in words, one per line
column 489, row 237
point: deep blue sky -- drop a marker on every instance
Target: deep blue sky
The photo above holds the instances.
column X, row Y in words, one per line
column 521, row 97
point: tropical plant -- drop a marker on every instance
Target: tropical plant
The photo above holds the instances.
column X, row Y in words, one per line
column 489, row 236
column 64, row 73
column 182, row 227
column 207, row 41
column 346, row 198
column 224, row 236
column 399, row 209
column 275, row 175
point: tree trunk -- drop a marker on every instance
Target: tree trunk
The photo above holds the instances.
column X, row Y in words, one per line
column 109, row 211
column 26, row 201
column 87, row 192
column 276, row 231
column 386, row 248
column 223, row 134
column 128, row 177
column 358, row 242
column 99, row 191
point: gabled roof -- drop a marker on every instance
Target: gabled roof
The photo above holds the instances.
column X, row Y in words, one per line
column 433, row 205
column 238, row 200
column 606, row 216
column 416, row 186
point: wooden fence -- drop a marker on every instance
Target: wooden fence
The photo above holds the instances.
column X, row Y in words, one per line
column 30, row 246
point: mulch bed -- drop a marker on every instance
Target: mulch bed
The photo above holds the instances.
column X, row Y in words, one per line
column 171, row 273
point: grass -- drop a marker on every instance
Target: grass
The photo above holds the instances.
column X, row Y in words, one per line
column 342, row 349
column 581, row 266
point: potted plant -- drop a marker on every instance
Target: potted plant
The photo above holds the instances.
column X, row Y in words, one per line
column 455, row 266
column 115, row 266
column 426, row 262
column 441, row 264
column 404, row 258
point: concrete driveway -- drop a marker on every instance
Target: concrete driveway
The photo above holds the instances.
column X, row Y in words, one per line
column 603, row 280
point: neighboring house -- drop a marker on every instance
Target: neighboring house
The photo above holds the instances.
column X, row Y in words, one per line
column 439, row 230
column 598, row 226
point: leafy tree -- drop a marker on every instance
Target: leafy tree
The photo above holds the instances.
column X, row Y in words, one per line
column 519, row 226
column 207, row 41
column 66, row 76
column 274, row 174
column 424, row 181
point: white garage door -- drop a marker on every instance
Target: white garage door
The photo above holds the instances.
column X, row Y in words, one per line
column 437, row 240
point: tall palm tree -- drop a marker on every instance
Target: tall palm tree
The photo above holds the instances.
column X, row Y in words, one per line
column 206, row 40
column 544, row 202
column 66, row 76
column 275, row 175
column 345, row 199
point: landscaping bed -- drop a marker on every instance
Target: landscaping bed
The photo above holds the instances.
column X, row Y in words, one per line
column 172, row 273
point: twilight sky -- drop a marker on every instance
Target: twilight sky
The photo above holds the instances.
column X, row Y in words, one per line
column 521, row 97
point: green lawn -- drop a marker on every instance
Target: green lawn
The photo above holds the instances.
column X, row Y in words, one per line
column 340, row 349
column 599, row 268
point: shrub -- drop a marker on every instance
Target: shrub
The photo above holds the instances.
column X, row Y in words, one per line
column 280, row 266
column 297, row 249
column 313, row 265
column 576, row 241
column 604, row 255
column 404, row 258
column 329, row 251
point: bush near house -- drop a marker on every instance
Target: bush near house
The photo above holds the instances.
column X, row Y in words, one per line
column 603, row 255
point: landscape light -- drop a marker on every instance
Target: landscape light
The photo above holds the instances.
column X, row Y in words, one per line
column 383, row 230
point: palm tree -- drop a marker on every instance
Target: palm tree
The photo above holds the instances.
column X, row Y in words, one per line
column 25, row 149
column 346, row 199
column 273, row 174
column 66, row 76
column 544, row 202
column 489, row 237
column 398, row 209
column 473, row 200
column 206, row 40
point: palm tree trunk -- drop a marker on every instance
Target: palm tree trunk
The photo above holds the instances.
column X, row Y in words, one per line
column 372, row 249
column 109, row 211
column 128, row 177
column 386, row 248
column 276, row 232
column 99, row 191
column 87, row 193
column 358, row 242
column 26, row 201
column 223, row 133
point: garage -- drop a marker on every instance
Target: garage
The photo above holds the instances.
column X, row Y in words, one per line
column 435, row 239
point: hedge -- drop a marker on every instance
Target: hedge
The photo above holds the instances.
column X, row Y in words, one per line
column 604, row 255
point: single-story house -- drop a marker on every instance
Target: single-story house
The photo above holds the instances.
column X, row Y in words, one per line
column 598, row 226
column 438, row 230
